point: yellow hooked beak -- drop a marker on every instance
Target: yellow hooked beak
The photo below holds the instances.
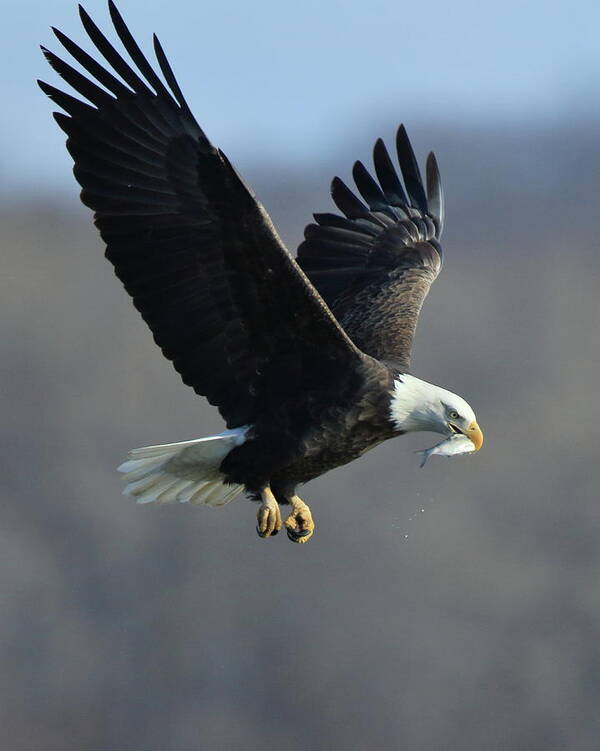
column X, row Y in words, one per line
column 475, row 435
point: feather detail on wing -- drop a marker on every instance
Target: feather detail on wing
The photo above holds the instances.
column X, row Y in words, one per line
column 374, row 265
column 198, row 254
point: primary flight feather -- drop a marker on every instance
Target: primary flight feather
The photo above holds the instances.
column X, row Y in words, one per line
column 307, row 359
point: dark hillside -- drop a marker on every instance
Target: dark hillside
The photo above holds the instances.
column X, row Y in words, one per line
column 454, row 607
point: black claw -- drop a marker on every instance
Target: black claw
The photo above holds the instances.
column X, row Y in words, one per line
column 295, row 535
column 266, row 534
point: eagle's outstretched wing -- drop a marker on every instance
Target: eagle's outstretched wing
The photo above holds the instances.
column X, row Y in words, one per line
column 374, row 266
column 198, row 254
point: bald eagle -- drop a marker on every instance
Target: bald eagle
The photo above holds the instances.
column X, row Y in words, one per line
column 307, row 359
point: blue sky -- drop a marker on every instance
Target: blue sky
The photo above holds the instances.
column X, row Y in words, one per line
column 288, row 81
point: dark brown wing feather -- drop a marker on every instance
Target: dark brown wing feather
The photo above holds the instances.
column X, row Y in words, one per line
column 374, row 266
column 198, row 254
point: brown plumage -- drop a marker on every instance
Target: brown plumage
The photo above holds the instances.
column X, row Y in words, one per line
column 305, row 369
column 374, row 267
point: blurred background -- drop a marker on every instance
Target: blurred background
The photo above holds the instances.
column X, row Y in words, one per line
column 454, row 607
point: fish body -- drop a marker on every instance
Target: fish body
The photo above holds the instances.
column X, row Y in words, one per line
column 456, row 444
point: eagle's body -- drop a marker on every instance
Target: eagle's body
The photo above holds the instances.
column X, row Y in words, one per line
column 306, row 359
column 311, row 438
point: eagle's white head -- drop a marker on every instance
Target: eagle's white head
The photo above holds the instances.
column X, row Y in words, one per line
column 418, row 405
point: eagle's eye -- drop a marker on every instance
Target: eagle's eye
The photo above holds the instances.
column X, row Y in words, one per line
column 453, row 415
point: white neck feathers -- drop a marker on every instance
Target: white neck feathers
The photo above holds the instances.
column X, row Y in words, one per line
column 413, row 404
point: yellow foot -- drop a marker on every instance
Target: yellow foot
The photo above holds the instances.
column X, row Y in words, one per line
column 268, row 515
column 299, row 525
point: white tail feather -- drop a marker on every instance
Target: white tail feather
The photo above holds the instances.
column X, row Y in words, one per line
column 184, row 472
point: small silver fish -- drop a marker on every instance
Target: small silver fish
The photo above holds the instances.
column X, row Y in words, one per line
column 456, row 444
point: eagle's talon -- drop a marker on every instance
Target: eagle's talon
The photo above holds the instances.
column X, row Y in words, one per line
column 268, row 515
column 299, row 525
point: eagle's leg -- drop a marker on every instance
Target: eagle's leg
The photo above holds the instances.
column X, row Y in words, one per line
column 268, row 515
column 299, row 525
